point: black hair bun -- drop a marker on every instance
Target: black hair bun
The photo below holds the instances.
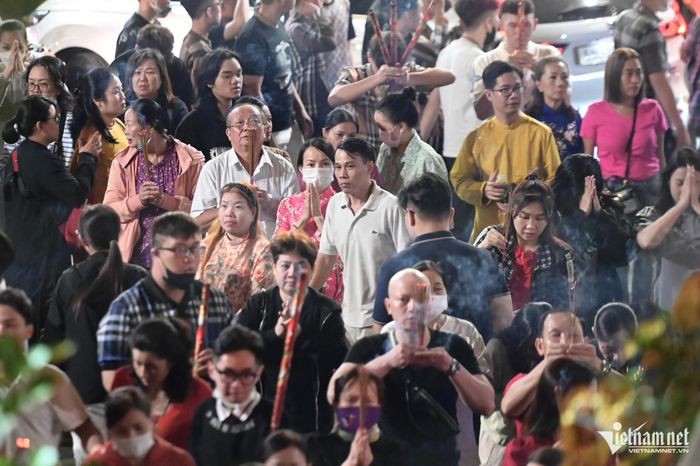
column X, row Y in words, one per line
column 409, row 92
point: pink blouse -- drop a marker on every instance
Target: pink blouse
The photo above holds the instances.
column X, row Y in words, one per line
column 289, row 212
column 610, row 132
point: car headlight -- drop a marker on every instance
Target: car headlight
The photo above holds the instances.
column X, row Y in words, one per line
column 38, row 15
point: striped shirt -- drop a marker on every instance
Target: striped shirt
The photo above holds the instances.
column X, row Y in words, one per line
column 146, row 301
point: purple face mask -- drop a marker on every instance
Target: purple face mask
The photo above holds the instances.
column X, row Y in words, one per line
column 349, row 417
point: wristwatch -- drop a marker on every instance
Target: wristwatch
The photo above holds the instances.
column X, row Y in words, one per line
column 454, row 368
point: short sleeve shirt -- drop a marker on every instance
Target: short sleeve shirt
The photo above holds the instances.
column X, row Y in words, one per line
column 364, row 241
column 394, row 419
column 273, row 173
column 638, row 29
column 266, row 51
column 44, row 423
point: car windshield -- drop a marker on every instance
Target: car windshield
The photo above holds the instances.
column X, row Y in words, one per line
column 549, row 11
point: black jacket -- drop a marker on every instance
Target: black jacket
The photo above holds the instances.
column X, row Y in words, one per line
column 31, row 222
column 63, row 322
column 204, row 128
column 320, row 348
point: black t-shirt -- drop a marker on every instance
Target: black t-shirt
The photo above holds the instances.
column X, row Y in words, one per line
column 230, row 442
column 216, row 36
column 471, row 276
column 267, row 52
column 395, row 422
column 204, row 128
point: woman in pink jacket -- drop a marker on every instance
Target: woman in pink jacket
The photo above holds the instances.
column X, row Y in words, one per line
column 155, row 174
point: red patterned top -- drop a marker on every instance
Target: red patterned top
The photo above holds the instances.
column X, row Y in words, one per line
column 289, row 213
column 521, row 279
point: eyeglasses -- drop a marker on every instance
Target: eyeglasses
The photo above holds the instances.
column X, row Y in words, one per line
column 184, row 251
column 245, row 377
column 508, row 91
column 253, row 123
column 41, row 86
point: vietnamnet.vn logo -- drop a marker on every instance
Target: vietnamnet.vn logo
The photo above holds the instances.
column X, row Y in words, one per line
column 637, row 441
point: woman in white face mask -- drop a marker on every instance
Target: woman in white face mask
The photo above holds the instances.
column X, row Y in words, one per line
column 132, row 441
column 403, row 155
column 306, row 211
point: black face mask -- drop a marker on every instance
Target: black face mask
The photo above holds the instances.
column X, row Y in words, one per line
column 181, row 281
column 490, row 37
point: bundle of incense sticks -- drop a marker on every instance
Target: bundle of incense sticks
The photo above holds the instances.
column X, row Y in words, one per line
column 422, row 300
column 378, row 34
column 300, row 289
column 147, row 163
column 251, row 141
column 522, row 43
column 419, row 31
column 363, row 379
column 394, row 28
column 201, row 323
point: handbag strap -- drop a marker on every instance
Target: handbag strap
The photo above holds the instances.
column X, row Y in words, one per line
column 628, row 147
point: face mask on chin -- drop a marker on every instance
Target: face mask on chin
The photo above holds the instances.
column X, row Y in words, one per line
column 181, row 281
column 134, row 447
column 321, row 178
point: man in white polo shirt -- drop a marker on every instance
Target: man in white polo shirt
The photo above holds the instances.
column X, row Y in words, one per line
column 364, row 226
column 273, row 176
column 516, row 49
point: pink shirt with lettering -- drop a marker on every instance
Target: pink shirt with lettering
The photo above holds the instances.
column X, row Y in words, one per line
column 610, row 131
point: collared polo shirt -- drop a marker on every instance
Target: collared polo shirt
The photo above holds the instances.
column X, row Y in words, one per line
column 364, row 241
column 273, row 174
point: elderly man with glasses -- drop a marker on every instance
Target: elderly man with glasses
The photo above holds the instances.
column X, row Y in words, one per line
column 503, row 150
column 169, row 290
column 272, row 175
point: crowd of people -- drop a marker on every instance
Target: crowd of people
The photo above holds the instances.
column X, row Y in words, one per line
column 451, row 250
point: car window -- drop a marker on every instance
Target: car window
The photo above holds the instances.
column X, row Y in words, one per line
column 549, row 11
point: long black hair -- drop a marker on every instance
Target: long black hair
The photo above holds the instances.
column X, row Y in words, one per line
column 92, row 86
column 570, row 182
column 169, row 339
column 682, row 158
column 542, row 417
column 99, row 228
column 32, row 110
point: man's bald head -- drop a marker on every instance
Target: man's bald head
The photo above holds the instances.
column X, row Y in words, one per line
column 403, row 289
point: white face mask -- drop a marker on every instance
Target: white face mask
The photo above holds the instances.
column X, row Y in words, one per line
column 321, row 178
column 438, row 305
column 5, row 57
column 134, row 447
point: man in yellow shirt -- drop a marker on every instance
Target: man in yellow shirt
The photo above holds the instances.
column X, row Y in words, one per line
column 503, row 150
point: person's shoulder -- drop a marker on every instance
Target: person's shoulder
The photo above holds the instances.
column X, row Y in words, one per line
column 253, row 30
column 127, row 298
column 325, row 305
column 279, row 161
column 165, row 452
column 199, row 390
column 650, row 105
column 534, row 123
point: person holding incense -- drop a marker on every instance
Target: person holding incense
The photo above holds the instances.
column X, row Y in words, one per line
column 237, row 258
column 155, row 174
column 414, row 359
column 352, row 443
column 320, row 346
column 364, row 86
column 170, row 289
column 272, row 175
column 160, row 366
column 518, row 22
column 537, row 265
column 229, row 428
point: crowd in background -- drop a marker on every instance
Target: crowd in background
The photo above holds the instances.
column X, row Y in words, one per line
column 475, row 248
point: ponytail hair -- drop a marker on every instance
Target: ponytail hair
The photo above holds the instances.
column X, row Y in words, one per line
column 93, row 86
column 99, row 228
column 32, row 110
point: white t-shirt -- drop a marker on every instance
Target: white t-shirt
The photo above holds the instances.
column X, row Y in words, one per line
column 44, row 423
column 274, row 174
column 500, row 53
column 364, row 241
column 456, row 99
